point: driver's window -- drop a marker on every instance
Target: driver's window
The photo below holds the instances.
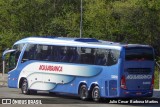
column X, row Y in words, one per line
column 14, row 56
column 12, row 61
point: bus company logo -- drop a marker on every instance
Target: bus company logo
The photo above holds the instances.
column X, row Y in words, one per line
column 6, row 101
column 51, row 68
column 139, row 77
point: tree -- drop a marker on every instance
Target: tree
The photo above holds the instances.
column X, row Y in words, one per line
column 129, row 21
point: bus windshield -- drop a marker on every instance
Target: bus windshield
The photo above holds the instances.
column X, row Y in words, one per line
column 139, row 53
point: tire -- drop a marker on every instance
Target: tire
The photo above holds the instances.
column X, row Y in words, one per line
column 96, row 94
column 24, row 87
column 83, row 92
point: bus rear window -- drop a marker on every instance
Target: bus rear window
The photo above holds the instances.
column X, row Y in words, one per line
column 139, row 54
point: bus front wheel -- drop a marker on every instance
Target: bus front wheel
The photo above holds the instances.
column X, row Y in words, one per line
column 24, row 87
column 96, row 94
column 83, row 92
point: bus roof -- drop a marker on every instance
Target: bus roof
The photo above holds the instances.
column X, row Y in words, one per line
column 85, row 42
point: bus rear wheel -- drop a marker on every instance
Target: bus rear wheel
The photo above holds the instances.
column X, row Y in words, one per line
column 24, row 87
column 83, row 92
column 96, row 94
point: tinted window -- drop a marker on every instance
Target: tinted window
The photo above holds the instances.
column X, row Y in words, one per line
column 87, row 55
column 113, row 56
column 101, row 57
column 43, row 52
column 49, row 53
column 13, row 59
column 14, row 56
column 82, row 55
column 68, row 54
column 30, row 52
column 107, row 57
column 139, row 54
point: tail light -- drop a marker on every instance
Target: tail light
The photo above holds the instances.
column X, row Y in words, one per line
column 152, row 83
column 123, row 82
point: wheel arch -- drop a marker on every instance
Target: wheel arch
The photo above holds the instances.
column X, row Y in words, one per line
column 92, row 85
column 80, row 84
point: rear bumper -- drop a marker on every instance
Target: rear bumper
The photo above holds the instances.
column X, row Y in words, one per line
column 136, row 93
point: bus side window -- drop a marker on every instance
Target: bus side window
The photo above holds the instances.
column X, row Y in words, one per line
column 56, row 53
column 101, row 57
column 44, row 52
column 87, row 56
column 29, row 53
column 50, row 55
column 113, row 56
column 65, row 54
column 74, row 58
column 110, row 60
column 32, row 52
column 38, row 55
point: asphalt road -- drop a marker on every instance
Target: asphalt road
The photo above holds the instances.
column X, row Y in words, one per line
column 58, row 100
